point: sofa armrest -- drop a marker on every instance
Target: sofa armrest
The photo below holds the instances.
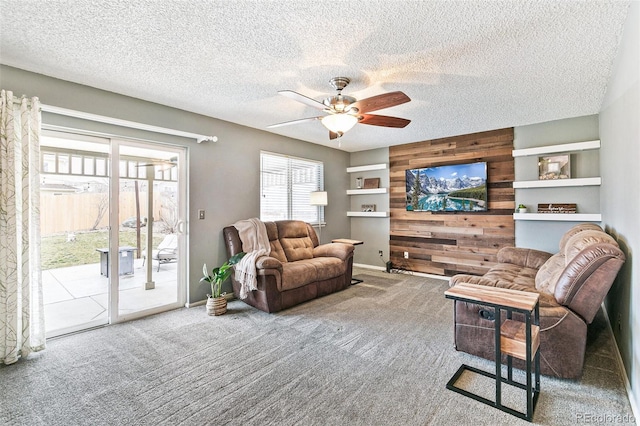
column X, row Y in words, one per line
column 528, row 258
column 339, row 250
column 268, row 262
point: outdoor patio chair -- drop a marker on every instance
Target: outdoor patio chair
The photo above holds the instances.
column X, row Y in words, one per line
column 167, row 251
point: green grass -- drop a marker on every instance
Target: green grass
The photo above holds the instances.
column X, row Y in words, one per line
column 58, row 253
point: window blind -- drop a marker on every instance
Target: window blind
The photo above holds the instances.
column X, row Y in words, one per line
column 285, row 187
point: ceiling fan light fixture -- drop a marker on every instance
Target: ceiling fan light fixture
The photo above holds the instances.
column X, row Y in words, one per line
column 339, row 123
column 344, row 112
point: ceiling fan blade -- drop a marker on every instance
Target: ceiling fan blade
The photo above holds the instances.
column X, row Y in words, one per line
column 384, row 121
column 286, row 123
column 377, row 102
column 302, row 98
column 333, row 135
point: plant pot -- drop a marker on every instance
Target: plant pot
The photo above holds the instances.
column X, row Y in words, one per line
column 522, row 210
column 216, row 305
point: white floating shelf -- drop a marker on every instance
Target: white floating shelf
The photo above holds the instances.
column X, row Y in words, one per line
column 367, row 191
column 368, row 214
column 367, row 168
column 551, row 149
column 560, row 217
column 554, row 183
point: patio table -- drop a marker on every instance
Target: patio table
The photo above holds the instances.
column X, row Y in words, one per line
column 126, row 260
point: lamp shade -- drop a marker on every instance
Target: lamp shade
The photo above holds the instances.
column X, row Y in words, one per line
column 318, row 198
column 339, row 123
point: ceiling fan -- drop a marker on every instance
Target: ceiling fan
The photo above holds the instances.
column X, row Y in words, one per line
column 344, row 112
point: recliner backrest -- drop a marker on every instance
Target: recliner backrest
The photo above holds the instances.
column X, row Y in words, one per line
column 574, row 230
column 295, row 239
column 276, row 248
column 592, row 260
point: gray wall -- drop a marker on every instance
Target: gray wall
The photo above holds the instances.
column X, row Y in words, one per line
column 545, row 235
column 620, row 194
column 374, row 231
column 223, row 176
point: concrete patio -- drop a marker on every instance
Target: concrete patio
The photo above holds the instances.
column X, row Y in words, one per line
column 76, row 297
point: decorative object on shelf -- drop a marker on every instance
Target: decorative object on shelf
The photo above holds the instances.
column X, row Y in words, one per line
column 319, row 198
column 368, row 208
column 554, row 167
column 359, row 183
column 371, row 183
column 557, row 208
column 522, row 208
column 216, row 302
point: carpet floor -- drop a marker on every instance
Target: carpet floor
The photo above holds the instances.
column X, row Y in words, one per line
column 377, row 353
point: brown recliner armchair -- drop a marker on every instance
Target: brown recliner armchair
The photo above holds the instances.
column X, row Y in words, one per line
column 572, row 285
column 298, row 268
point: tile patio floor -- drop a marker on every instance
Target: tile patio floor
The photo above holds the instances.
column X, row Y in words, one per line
column 78, row 295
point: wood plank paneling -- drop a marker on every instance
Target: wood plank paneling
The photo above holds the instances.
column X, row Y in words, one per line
column 449, row 243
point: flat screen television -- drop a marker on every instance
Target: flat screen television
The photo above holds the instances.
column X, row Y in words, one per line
column 451, row 188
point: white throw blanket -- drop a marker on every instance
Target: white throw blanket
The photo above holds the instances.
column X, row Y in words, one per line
column 255, row 242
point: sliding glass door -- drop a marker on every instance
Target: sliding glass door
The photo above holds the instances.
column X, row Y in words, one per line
column 151, row 211
column 113, row 230
column 74, row 223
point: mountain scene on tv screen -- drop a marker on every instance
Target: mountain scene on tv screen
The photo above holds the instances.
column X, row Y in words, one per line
column 461, row 187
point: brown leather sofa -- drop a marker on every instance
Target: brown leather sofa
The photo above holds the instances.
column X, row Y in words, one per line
column 572, row 285
column 298, row 268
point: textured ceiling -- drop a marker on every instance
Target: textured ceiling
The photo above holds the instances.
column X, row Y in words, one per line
column 468, row 66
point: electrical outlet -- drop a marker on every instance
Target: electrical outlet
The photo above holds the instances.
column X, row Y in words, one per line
column 406, row 254
column 380, row 253
column 201, row 214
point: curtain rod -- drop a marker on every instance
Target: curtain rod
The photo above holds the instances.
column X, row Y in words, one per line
column 125, row 123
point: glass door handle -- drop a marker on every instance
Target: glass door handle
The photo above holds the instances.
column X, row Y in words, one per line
column 181, row 227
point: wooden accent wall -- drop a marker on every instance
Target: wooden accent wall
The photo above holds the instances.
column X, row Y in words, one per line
column 449, row 243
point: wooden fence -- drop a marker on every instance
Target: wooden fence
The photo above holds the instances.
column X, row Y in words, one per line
column 72, row 212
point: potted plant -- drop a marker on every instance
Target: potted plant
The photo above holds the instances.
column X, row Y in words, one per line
column 522, row 208
column 216, row 302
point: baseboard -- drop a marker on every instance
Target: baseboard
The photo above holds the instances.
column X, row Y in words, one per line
column 627, row 385
column 419, row 274
column 194, row 304
column 228, row 296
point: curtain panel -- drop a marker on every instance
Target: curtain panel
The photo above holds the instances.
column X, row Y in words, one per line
column 22, row 328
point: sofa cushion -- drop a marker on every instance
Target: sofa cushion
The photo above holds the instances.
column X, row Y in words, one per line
column 297, row 274
column 508, row 275
column 524, row 284
column 548, row 274
column 295, row 240
column 328, row 267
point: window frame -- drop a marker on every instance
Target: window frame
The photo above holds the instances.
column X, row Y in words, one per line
column 297, row 203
